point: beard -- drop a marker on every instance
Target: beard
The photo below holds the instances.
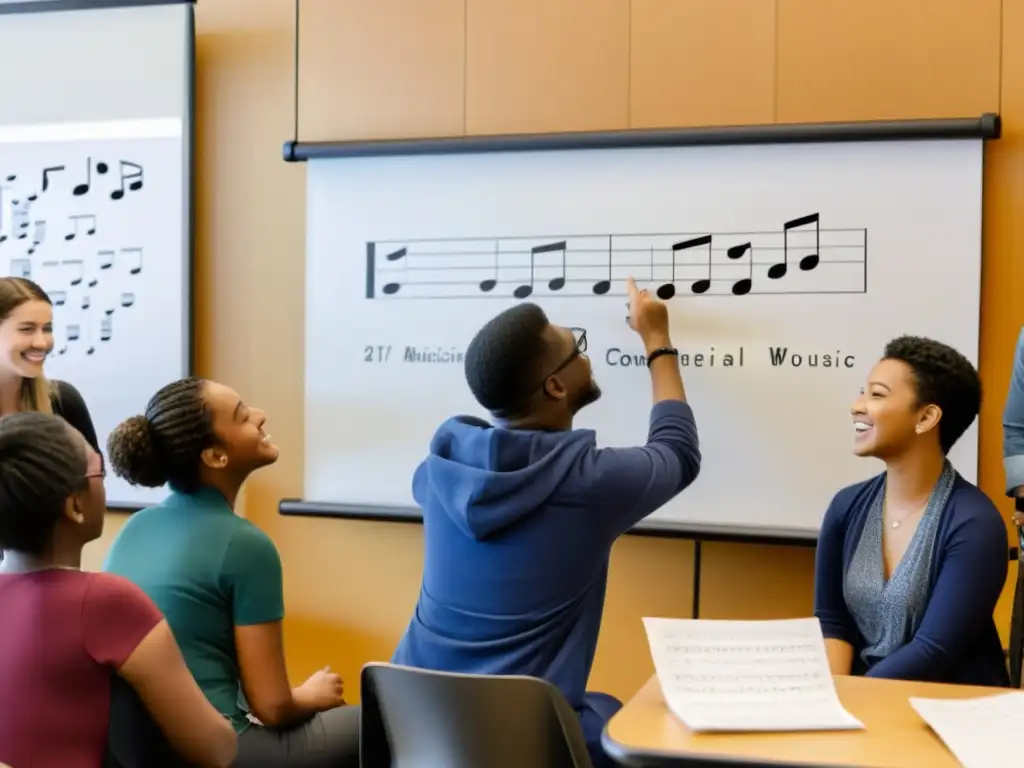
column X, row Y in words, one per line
column 591, row 393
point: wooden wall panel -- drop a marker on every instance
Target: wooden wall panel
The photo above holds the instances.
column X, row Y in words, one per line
column 386, row 68
column 746, row 581
column 702, row 62
column 887, row 59
column 1002, row 313
column 649, row 577
column 546, row 65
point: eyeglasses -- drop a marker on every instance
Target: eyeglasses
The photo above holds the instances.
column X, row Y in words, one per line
column 101, row 473
column 580, row 348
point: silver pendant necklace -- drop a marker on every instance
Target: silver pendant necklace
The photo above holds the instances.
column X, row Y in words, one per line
column 897, row 523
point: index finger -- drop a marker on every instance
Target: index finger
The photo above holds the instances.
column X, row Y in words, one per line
column 631, row 288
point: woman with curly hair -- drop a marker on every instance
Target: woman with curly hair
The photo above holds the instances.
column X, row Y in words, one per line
column 910, row 563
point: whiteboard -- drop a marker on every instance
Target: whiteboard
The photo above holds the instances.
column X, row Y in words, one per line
column 408, row 256
column 95, row 199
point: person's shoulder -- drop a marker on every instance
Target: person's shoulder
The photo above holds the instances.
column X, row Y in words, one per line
column 111, row 588
column 248, row 540
column 64, row 394
column 68, row 403
column 969, row 504
column 855, row 498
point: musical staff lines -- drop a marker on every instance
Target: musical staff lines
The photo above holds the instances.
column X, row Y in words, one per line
column 801, row 257
column 58, row 227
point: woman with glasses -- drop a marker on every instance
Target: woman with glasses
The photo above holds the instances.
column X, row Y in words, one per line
column 66, row 633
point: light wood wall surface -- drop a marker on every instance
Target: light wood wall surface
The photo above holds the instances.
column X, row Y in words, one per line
column 404, row 68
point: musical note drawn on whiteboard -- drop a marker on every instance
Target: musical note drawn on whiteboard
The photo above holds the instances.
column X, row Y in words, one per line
column 58, row 226
column 801, row 257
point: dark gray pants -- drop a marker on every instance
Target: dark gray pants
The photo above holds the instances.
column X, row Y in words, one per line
column 327, row 740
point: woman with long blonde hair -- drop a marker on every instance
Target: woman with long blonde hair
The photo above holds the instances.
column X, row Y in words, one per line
column 26, row 339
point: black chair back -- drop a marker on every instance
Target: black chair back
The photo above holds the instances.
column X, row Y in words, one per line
column 134, row 739
column 414, row 718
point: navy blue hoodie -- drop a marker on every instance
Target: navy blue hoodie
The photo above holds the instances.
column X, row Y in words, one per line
column 519, row 526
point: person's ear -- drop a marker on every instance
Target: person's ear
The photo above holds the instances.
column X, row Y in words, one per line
column 928, row 419
column 554, row 388
column 215, row 457
column 74, row 508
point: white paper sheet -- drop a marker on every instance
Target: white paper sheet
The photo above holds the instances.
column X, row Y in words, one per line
column 980, row 732
column 747, row 675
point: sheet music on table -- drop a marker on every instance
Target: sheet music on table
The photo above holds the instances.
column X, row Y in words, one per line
column 980, row 732
column 801, row 257
column 747, row 675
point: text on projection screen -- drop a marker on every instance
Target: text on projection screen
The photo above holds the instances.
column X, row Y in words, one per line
column 787, row 268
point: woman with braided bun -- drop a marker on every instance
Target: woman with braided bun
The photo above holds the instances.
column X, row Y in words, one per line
column 217, row 577
column 65, row 631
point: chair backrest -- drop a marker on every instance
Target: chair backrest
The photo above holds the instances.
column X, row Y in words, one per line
column 415, row 718
column 135, row 740
column 1015, row 653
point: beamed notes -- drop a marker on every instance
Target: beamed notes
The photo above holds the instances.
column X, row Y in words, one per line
column 801, row 257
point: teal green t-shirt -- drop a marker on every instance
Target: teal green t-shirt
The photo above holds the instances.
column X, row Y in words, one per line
column 208, row 571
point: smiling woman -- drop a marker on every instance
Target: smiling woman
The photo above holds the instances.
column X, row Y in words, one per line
column 217, row 578
column 26, row 338
column 910, row 563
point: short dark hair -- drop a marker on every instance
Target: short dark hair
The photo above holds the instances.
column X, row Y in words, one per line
column 42, row 462
column 503, row 361
column 943, row 377
column 166, row 444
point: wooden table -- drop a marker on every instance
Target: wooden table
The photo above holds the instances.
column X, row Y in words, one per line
column 646, row 733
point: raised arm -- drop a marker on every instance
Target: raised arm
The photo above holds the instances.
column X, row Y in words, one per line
column 969, row 583
column 122, row 627
column 1013, row 426
column 837, row 624
column 631, row 483
column 628, row 484
column 252, row 574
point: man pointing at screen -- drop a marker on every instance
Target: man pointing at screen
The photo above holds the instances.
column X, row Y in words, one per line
column 520, row 515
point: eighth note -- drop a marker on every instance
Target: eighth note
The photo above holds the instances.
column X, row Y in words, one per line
column 91, row 228
column 668, row 290
column 136, row 252
column 77, row 270
column 556, row 283
column 806, row 263
column 135, row 177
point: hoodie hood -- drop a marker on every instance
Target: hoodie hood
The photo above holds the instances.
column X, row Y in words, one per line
column 487, row 478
